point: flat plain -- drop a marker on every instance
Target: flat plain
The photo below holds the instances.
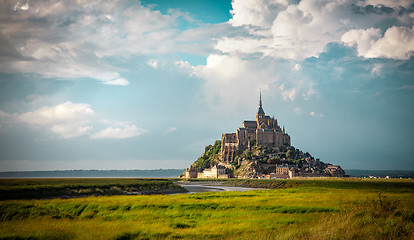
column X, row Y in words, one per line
column 320, row 208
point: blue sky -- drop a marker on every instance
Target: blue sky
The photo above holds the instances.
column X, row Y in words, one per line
column 147, row 84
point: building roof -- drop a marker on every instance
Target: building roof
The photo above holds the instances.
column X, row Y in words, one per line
column 246, row 121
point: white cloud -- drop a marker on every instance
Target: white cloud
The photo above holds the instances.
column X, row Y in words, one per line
column 67, row 112
column 78, row 39
column 171, row 129
column 153, row 63
column 363, row 38
column 289, row 94
column 70, row 130
column 244, row 45
column 67, row 120
column 271, row 31
column 241, row 76
column 245, row 77
column 297, row 110
column 127, row 131
column 377, row 69
column 184, row 64
column 20, row 6
column 397, row 42
column 291, row 30
column 312, row 114
column 308, row 94
column 119, row 81
column 256, row 12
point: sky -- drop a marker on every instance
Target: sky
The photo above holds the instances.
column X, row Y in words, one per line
column 96, row 84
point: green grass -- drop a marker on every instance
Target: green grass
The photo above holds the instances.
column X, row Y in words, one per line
column 71, row 187
column 296, row 209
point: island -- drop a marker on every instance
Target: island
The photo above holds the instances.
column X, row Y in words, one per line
column 259, row 149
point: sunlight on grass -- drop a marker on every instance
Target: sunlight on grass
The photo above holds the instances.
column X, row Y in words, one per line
column 328, row 210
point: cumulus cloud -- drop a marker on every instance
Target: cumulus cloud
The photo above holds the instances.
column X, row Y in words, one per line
column 363, row 38
column 230, row 72
column 259, row 13
column 274, row 36
column 76, row 39
column 245, row 77
column 397, row 42
column 291, row 30
column 127, row 131
column 67, row 120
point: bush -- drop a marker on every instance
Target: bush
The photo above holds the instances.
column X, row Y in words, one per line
column 209, row 156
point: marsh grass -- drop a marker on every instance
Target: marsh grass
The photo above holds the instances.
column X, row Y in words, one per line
column 314, row 209
column 75, row 187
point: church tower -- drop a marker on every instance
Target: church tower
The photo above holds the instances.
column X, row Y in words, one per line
column 260, row 115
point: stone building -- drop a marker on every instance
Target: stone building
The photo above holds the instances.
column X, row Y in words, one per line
column 191, row 172
column 217, row 171
column 264, row 131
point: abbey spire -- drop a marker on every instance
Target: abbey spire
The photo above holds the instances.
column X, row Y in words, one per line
column 260, row 113
column 260, row 98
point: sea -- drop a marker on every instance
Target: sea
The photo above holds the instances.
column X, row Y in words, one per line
column 172, row 173
column 137, row 173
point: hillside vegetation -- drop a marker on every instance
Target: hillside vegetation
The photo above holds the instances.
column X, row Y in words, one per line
column 210, row 156
column 260, row 160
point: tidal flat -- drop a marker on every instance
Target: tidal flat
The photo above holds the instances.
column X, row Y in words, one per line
column 323, row 208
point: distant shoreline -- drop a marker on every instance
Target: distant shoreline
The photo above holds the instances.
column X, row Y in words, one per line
column 169, row 173
column 155, row 173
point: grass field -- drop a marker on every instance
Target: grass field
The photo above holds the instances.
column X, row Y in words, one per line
column 294, row 209
column 74, row 187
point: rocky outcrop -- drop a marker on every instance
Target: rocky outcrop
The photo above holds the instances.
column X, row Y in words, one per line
column 248, row 169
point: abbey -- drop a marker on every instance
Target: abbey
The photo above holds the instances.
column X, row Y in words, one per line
column 264, row 131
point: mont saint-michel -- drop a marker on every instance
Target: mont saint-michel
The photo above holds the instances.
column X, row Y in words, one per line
column 259, row 149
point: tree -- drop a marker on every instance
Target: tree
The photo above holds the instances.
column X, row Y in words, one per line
column 272, row 160
column 288, row 154
column 248, row 153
